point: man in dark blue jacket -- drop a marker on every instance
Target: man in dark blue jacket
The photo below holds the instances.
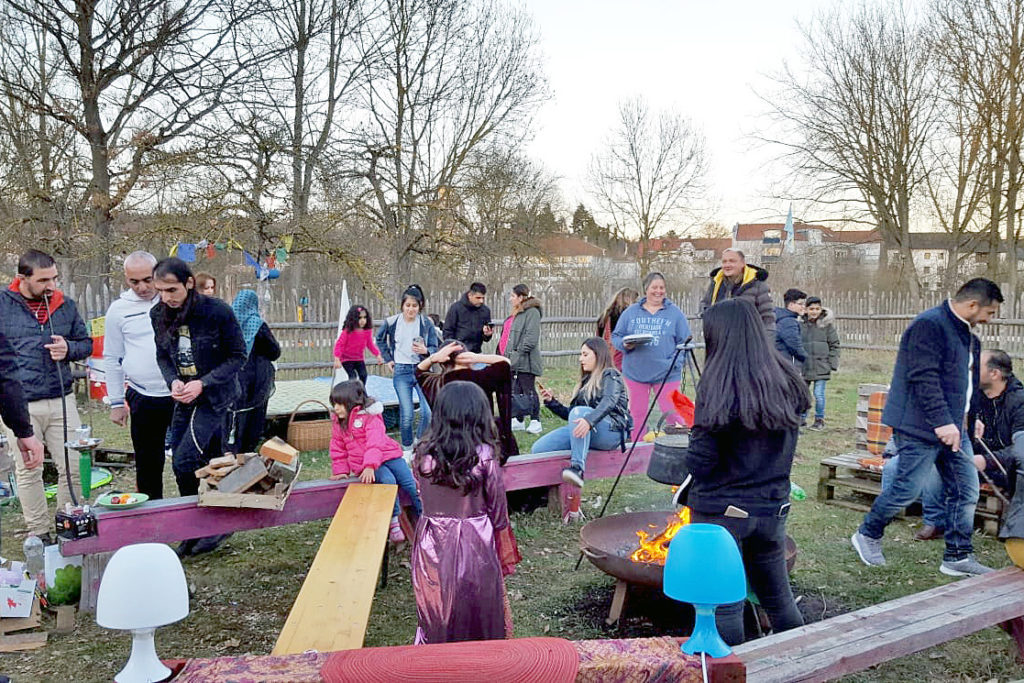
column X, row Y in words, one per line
column 788, row 337
column 46, row 332
column 933, row 384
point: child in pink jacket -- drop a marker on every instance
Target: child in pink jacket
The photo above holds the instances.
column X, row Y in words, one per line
column 355, row 340
column 360, row 447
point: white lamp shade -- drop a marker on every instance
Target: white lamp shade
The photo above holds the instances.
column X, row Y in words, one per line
column 143, row 586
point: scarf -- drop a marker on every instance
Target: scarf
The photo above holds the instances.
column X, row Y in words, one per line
column 246, row 307
column 168, row 320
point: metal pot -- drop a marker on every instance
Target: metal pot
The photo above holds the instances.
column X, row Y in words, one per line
column 668, row 459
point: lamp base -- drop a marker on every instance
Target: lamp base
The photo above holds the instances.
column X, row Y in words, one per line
column 143, row 665
column 705, row 636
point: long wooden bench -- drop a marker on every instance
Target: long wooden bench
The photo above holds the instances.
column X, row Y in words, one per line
column 333, row 605
column 858, row 640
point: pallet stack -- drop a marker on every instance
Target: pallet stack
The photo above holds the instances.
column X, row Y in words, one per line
column 260, row 480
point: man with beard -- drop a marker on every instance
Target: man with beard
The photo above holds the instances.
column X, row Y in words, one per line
column 469, row 319
column 200, row 349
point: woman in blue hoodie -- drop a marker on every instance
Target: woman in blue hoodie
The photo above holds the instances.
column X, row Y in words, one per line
column 645, row 365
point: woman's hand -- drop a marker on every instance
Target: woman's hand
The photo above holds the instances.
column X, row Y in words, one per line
column 419, row 348
column 546, row 394
column 367, row 476
column 337, row 362
column 445, row 352
column 629, row 346
column 391, row 366
column 581, row 428
column 341, row 475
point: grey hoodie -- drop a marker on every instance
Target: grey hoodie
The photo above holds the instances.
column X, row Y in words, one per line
column 129, row 352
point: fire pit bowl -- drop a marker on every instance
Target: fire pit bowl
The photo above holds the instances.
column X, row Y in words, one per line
column 609, row 541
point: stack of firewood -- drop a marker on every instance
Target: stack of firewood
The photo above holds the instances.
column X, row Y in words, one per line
column 276, row 464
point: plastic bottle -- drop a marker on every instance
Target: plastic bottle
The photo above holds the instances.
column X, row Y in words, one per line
column 795, row 492
column 34, row 562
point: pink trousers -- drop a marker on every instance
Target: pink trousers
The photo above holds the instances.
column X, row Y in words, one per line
column 640, row 399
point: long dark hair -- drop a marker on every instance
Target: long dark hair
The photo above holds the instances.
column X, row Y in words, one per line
column 622, row 300
column 351, row 394
column 745, row 379
column 461, row 422
column 352, row 318
column 590, row 382
column 170, row 319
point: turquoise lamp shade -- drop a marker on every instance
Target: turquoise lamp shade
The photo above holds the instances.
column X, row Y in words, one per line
column 704, row 568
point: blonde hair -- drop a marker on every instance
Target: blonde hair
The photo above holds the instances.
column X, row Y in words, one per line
column 590, row 384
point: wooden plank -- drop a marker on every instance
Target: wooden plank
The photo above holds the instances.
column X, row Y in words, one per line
column 65, row 619
column 23, row 641
column 545, row 469
column 333, row 605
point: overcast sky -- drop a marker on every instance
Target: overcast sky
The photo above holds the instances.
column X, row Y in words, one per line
column 702, row 57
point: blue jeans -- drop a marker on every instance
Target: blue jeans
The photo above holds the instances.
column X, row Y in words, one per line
column 762, row 542
column 602, row 437
column 817, row 387
column 933, row 497
column 397, row 472
column 405, row 383
column 959, row 477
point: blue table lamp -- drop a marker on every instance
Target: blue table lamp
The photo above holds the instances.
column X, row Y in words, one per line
column 704, row 568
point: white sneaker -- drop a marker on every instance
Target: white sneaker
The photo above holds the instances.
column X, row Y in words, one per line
column 407, row 456
column 517, row 425
column 535, row 427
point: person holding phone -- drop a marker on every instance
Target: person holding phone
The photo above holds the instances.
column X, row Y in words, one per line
column 469, row 320
column 404, row 340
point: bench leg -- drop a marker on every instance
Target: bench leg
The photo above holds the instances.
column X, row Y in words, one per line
column 826, row 491
column 1015, row 627
column 92, row 574
column 618, row 602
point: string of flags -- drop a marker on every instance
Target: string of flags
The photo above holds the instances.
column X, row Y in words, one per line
column 270, row 269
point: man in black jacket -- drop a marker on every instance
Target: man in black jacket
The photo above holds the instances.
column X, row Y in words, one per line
column 469, row 320
column 200, row 349
column 14, row 409
column 1000, row 412
column 46, row 332
column 788, row 337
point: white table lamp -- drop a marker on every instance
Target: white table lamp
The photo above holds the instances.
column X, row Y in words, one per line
column 143, row 588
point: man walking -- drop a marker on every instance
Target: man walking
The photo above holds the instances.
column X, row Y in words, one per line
column 736, row 279
column 129, row 355
column 788, row 337
column 46, row 332
column 469, row 320
column 933, row 384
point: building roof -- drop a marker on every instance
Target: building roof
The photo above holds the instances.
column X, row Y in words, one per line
column 754, row 232
column 716, row 244
column 853, row 236
column 563, row 246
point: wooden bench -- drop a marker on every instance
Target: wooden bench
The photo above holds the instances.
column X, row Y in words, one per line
column 333, row 605
column 858, row 640
column 844, row 473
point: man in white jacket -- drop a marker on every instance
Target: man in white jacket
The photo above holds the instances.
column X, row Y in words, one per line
column 129, row 356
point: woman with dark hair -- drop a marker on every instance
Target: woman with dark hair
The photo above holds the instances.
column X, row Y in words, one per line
column 488, row 371
column 520, row 342
column 598, row 413
column 647, row 333
column 750, row 402
column 256, row 378
column 464, row 543
column 355, row 340
column 404, row 340
column 206, row 284
column 623, row 299
column 200, row 350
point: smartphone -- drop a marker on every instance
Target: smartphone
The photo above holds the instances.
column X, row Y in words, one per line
column 541, row 386
column 417, row 340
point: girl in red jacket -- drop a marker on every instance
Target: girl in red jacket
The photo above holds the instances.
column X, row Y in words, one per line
column 355, row 339
column 360, row 447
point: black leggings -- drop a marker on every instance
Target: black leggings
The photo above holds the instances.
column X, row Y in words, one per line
column 355, row 368
column 523, row 383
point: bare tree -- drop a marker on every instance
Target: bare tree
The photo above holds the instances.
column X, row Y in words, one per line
column 130, row 77
column 449, row 76
column 652, row 170
column 856, row 114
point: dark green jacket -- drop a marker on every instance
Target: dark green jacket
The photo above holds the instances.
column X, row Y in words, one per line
column 821, row 343
column 523, row 348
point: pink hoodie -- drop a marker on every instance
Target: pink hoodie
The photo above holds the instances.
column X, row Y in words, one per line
column 364, row 444
column 351, row 345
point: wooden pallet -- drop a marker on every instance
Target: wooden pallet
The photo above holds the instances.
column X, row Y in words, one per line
column 333, row 606
column 858, row 640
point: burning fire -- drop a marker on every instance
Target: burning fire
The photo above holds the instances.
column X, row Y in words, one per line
column 654, row 549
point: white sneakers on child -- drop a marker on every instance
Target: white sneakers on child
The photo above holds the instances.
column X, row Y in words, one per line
column 517, row 425
column 535, row 427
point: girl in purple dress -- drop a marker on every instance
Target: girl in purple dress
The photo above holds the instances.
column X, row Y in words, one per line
column 463, row 540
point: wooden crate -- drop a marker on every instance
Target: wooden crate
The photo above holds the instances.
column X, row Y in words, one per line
column 271, row 500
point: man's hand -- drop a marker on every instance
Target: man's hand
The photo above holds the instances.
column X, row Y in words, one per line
column 979, row 429
column 367, row 476
column 31, row 451
column 949, row 435
column 581, row 428
column 58, row 348
column 119, row 415
column 186, row 393
column 488, row 330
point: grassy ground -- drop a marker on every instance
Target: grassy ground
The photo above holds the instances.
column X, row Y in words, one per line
column 243, row 591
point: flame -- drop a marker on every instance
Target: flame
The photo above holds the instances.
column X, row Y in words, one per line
column 654, row 549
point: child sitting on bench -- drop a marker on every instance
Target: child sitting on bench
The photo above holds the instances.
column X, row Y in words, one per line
column 360, row 445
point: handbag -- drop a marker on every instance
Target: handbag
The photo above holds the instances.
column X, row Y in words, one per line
column 522, row 404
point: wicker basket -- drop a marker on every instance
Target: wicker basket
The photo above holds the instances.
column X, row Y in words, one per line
column 309, row 435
